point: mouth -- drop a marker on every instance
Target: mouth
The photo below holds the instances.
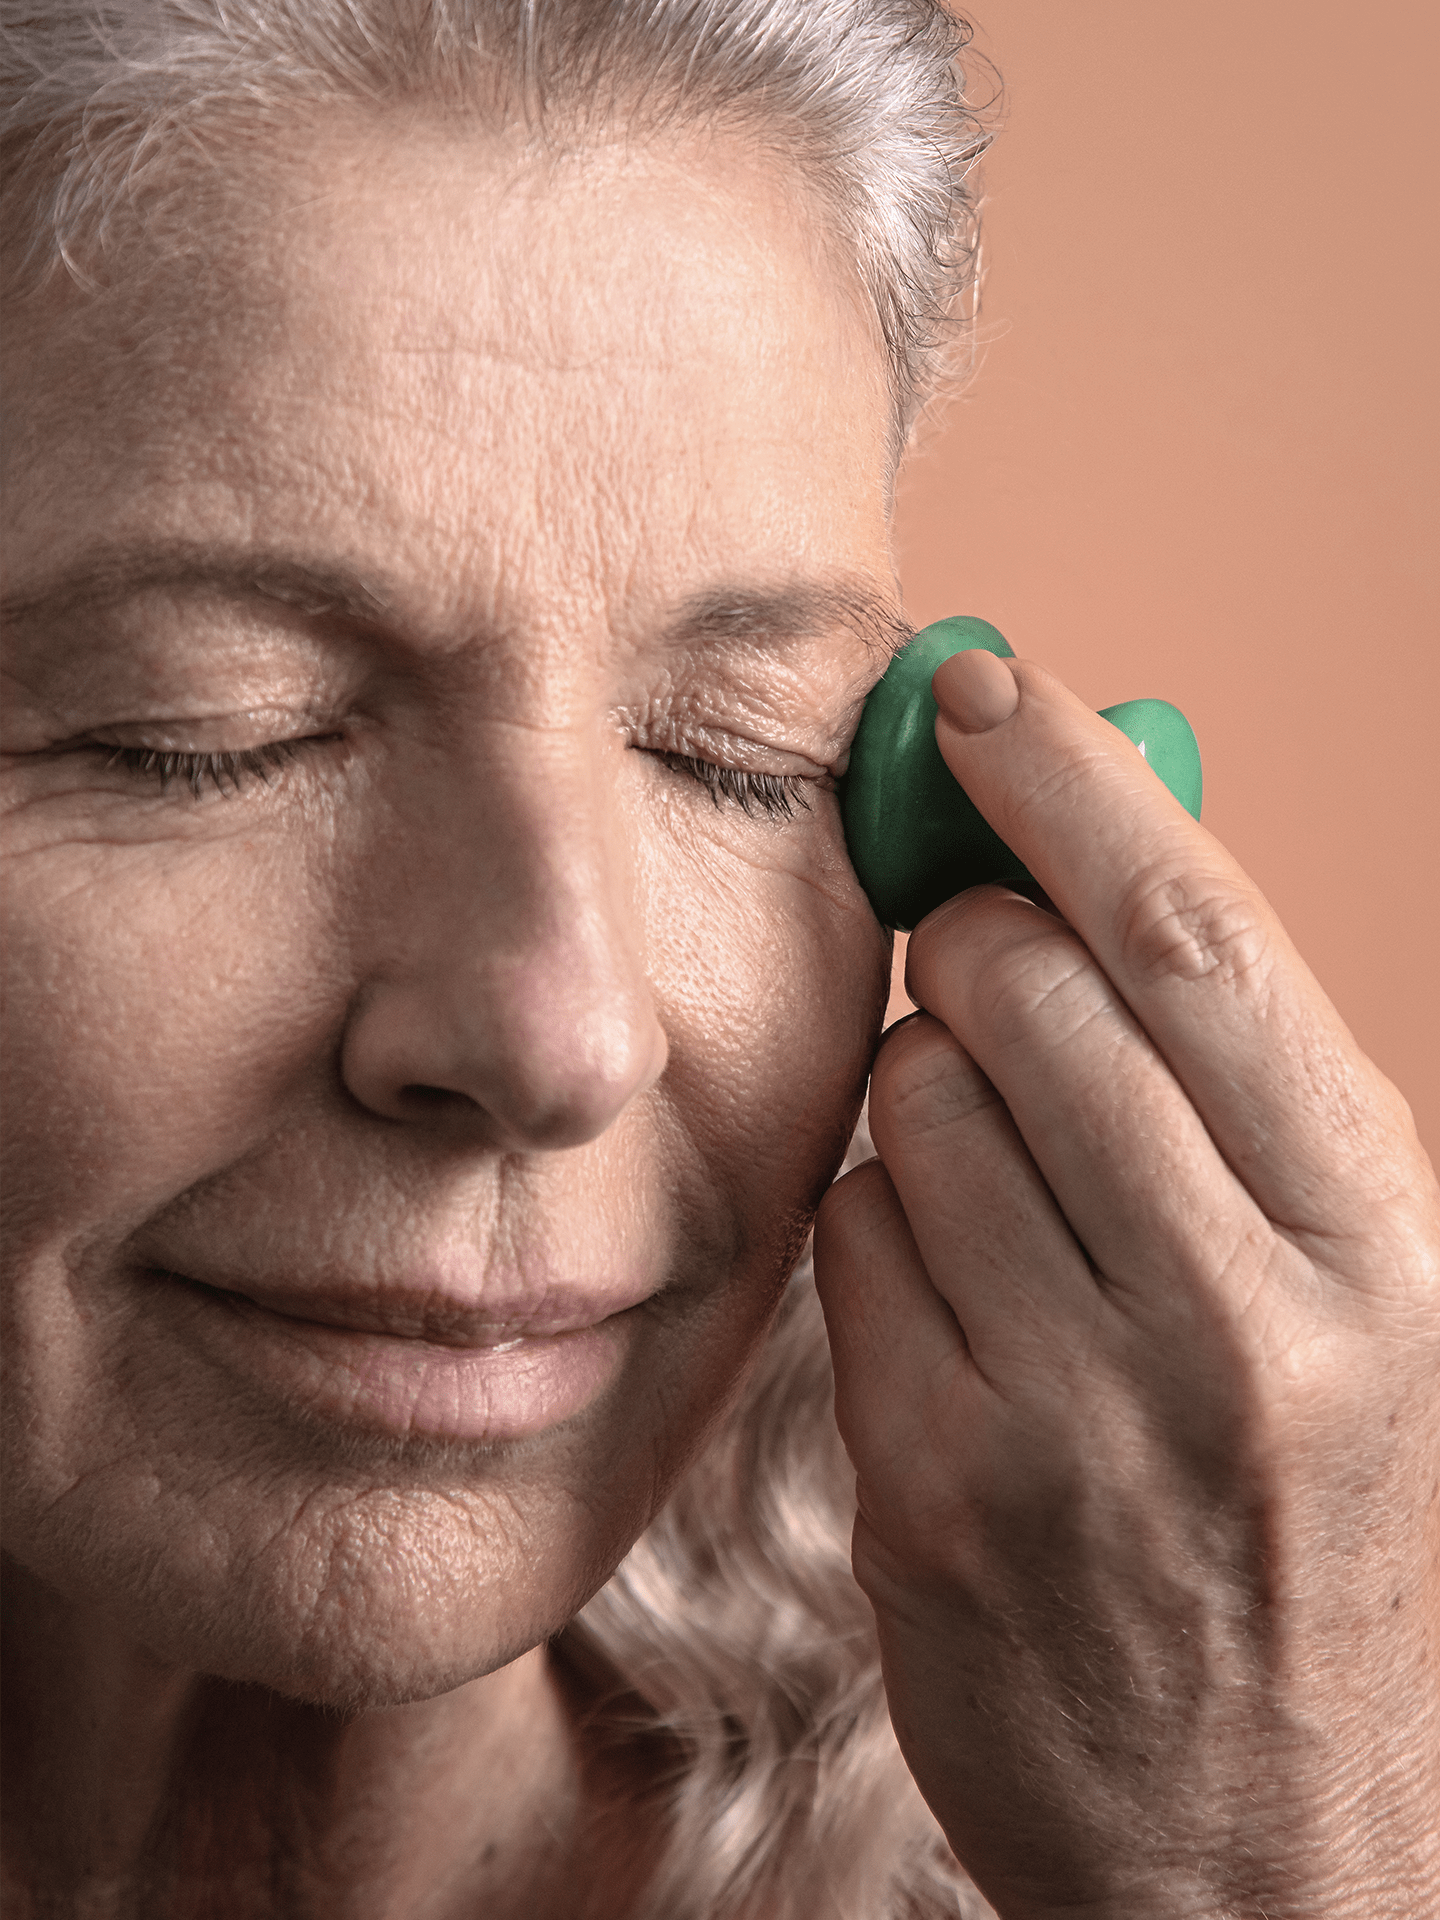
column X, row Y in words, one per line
column 419, row 1361
column 436, row 1317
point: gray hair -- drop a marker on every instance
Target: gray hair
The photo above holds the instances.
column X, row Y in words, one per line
column 734, row 1634
column 864, row 98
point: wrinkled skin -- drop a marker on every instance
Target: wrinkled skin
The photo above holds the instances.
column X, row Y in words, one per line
column 1135, row 1320
column 490, row 485
column 1137, row 1335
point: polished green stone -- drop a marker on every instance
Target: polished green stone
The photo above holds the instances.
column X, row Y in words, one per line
column 914, row 835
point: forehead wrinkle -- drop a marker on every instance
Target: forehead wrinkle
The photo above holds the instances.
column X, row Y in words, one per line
column 297, row 455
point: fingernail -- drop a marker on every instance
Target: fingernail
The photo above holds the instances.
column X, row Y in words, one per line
column 975, row 690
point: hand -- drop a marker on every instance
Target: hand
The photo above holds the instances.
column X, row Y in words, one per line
column 1136, row 1327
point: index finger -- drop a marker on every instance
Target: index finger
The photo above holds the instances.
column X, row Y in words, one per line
column 1186, row 938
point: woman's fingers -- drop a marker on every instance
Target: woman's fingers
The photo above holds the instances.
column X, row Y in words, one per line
column 895, row 1343
column 983, row 1220
column 1188, row 941
column 1121, row 1148
column 1100, row 1497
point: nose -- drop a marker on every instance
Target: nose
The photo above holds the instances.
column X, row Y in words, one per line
column 504, row 993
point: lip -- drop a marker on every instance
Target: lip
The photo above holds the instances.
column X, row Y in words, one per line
column 437, row 1314
column 419, row 1361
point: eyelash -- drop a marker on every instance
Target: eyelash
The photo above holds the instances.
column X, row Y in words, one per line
column 225, row 772
column 773, row 796
column 770, row 796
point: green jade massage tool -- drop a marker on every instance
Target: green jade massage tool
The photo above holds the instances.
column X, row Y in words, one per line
column 915, row 836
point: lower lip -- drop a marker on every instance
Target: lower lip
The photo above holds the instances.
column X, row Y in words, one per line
column 413, row 1388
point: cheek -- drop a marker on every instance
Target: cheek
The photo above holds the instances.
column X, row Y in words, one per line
column 158, row 1007
column 171, row 1007
column 175, row 1013
column 772, row 973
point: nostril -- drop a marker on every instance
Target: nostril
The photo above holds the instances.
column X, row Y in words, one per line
column 436, row 1099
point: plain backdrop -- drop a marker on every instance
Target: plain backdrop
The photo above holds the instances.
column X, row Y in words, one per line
column 1199, row 456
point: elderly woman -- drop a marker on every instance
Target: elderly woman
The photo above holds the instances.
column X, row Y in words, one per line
column 448, row 494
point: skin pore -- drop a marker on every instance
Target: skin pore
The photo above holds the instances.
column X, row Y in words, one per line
column 448, row 519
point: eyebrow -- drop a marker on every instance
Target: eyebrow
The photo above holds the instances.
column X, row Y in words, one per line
column 800, row 608
column 113, row 575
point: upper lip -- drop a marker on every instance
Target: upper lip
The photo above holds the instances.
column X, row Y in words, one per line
column 433, row 1314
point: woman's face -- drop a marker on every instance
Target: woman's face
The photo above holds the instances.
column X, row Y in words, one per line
column 417, row 1097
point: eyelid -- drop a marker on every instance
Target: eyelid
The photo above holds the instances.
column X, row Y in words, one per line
column 243, row 729
column 774, row 796
column 673, row 731
column 226, row 770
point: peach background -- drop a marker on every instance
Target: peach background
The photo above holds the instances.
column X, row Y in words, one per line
column 1200, row 457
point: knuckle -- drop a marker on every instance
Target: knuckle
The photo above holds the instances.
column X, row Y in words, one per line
column 854, row 1195
column 1043, row 975
column 1062, row 785
column 854, row 1213
column 924, row 1079
column 1193, row 927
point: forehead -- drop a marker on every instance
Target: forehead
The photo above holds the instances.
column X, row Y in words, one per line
column 437, row 356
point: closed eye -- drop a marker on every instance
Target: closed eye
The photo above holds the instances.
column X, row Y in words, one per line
column 772, row 796
column 225, row 771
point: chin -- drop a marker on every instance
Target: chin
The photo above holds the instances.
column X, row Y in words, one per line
column 357, row 1600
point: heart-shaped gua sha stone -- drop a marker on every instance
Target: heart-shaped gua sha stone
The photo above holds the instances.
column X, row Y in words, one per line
column 914, row 834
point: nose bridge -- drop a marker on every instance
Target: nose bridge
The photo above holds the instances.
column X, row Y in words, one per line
column 553, row 917
column 515, row 975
